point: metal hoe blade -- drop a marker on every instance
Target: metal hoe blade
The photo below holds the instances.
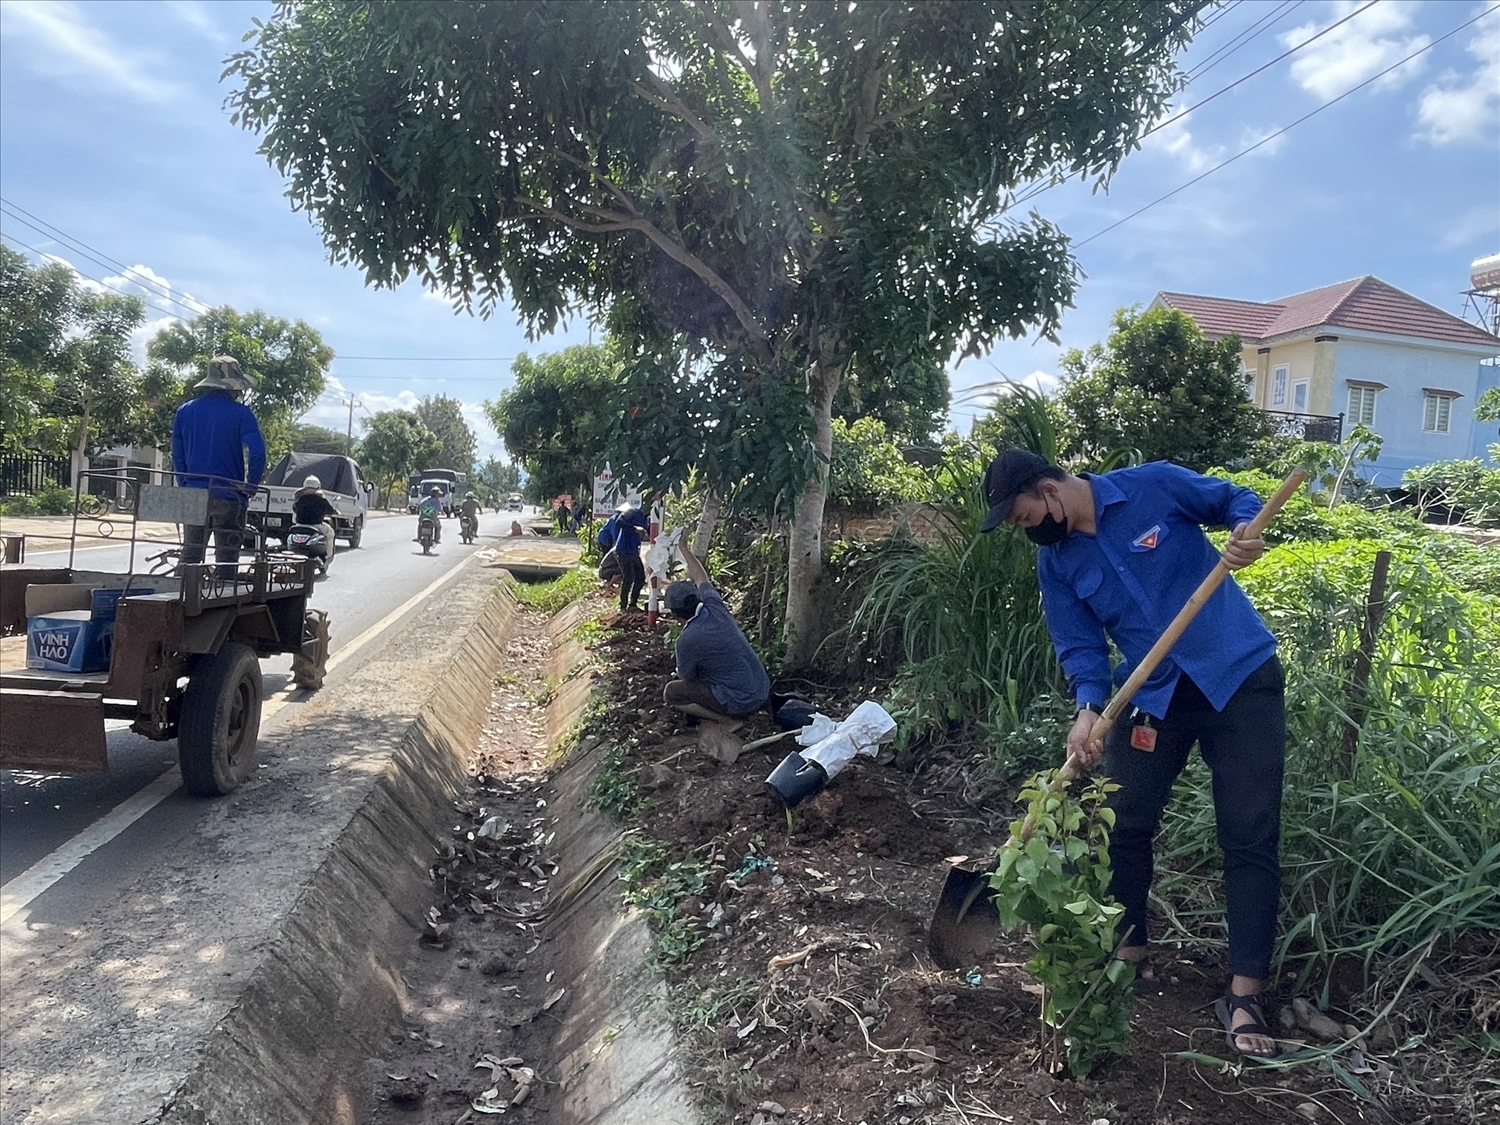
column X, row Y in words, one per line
column 965, row 924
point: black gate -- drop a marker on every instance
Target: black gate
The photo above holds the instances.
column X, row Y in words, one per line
column 26, row 474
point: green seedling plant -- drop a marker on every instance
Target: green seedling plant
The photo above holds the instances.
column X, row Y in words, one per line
column 1053, row 878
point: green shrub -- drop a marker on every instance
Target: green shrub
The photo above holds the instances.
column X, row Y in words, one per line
column 1400, row 845
column 1469, row 488
column 555, row 596
column 867, row 472
column 19, row 506
column 54, row 500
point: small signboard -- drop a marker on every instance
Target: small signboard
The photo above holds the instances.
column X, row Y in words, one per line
column 610, row 492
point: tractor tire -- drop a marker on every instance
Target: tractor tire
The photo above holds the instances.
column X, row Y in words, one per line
column 357, row 534
column 310, row 664
column 220, row 722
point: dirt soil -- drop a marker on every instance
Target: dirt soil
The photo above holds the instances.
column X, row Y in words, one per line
column 854, row 1024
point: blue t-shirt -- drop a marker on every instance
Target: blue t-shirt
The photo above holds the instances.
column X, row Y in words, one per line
column 1147, row 556
column 712, row 648
column 210, row 435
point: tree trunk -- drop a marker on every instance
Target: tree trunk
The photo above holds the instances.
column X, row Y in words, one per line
column 703, row 534
column 804, row 626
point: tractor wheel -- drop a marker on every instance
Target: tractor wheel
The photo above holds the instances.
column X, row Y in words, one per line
column 220, row 722
column 310, row 664
column 357, row 534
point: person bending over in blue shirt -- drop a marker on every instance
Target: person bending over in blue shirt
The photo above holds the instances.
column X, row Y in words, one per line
column 1120, row 554
column 719, row 677
column 210, row 437
column 629, row 523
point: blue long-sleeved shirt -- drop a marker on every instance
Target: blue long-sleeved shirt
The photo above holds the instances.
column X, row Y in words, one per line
column 210, row 435
column 1129, row 579
column 629, row 526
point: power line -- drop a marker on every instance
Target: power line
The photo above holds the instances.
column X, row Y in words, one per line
column 1027, row 195
column 154, row 286
column 433, row 358
column 1244, row 38
column 1287, row 128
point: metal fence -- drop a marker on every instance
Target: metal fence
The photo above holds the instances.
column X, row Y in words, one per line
column 1307, row 427
column 26, row 474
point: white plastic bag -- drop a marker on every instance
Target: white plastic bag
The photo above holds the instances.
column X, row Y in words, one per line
column 867, row 726
column 658, row 558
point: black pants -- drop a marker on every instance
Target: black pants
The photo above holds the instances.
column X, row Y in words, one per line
column 632, row 578
column 226, row 519
column 1244, row 747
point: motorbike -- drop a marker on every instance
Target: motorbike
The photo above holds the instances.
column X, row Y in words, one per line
column 468, row 528
column 311, row 543
column 426, row 533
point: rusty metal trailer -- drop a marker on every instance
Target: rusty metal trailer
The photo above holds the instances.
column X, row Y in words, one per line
column 184, row 661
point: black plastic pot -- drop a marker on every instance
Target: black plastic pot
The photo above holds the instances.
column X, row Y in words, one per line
column 796, row 779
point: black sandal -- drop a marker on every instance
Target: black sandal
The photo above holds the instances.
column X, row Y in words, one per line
column 1144, row 986
column 1225, row 1007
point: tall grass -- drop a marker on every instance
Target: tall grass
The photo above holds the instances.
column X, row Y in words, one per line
column 966, row 610
column 1399, row 847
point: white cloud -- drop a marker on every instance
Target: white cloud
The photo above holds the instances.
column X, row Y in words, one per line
column 195, row 16
column 1176, row 140
column 1366, row 45
column 70, row 46
column 158, row 293
column 1251, row 135
column 1468, row 228
column 1463, row 109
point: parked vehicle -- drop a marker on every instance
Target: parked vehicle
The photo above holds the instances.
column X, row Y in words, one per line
column 311, row 543
column 342, row 482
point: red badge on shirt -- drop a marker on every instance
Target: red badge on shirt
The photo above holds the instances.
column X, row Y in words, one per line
column 1147, row 540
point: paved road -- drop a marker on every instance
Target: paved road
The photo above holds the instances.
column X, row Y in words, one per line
column 39, row 812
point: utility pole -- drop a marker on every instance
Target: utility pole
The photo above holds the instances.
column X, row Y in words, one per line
column 351, row 403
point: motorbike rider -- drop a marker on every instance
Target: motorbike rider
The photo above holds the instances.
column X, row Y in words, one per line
column 431, row 508
column 469, row 510
column 312, row 509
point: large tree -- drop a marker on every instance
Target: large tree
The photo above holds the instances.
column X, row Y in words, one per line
column 444, row 417
column 288, row 360
column 396, row 444
column 1159, row 386
column 805, row 194
column 559, row 418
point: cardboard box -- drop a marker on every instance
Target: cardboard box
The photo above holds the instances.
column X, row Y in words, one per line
column 71, row 628
column 67, row 640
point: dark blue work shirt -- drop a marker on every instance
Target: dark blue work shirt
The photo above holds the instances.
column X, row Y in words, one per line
column 1129, row 579
column 210, row 435
column 713, row 649
column 629, row 525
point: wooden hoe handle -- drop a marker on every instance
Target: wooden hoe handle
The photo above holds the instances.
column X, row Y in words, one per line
column 1164, row 643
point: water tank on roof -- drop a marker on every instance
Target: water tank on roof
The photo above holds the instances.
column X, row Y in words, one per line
column 1484, row 273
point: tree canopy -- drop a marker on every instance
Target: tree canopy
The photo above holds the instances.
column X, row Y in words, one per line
column 803, row 197
column 67, row 379
column 396, row 444
column 288, row 359
column 1159, row 386
column 559, row 418
column 444, row 417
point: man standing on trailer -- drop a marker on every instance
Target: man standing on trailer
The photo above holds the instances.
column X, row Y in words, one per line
column 211, row 435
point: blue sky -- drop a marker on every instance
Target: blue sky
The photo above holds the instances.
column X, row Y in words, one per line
column 112, row 130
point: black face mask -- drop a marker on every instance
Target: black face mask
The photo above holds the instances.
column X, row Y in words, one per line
column 1051, row 530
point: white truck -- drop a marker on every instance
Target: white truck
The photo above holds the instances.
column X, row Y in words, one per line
column 343, row 484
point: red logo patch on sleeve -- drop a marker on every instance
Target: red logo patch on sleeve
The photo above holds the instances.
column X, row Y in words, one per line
column 1147, row 540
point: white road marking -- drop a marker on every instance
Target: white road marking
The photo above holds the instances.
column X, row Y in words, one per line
column 46, row 872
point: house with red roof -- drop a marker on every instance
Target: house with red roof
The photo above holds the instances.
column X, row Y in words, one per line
column 1364, row 352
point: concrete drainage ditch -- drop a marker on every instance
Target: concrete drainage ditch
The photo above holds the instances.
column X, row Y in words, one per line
column 305, row 1041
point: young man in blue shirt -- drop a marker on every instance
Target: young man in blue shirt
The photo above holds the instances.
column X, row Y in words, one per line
column 629, row 523
column 211, row 435
column 1120, row 554
column 719, row 677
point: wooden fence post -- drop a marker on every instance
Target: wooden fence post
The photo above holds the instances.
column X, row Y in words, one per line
column 1364, row 658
